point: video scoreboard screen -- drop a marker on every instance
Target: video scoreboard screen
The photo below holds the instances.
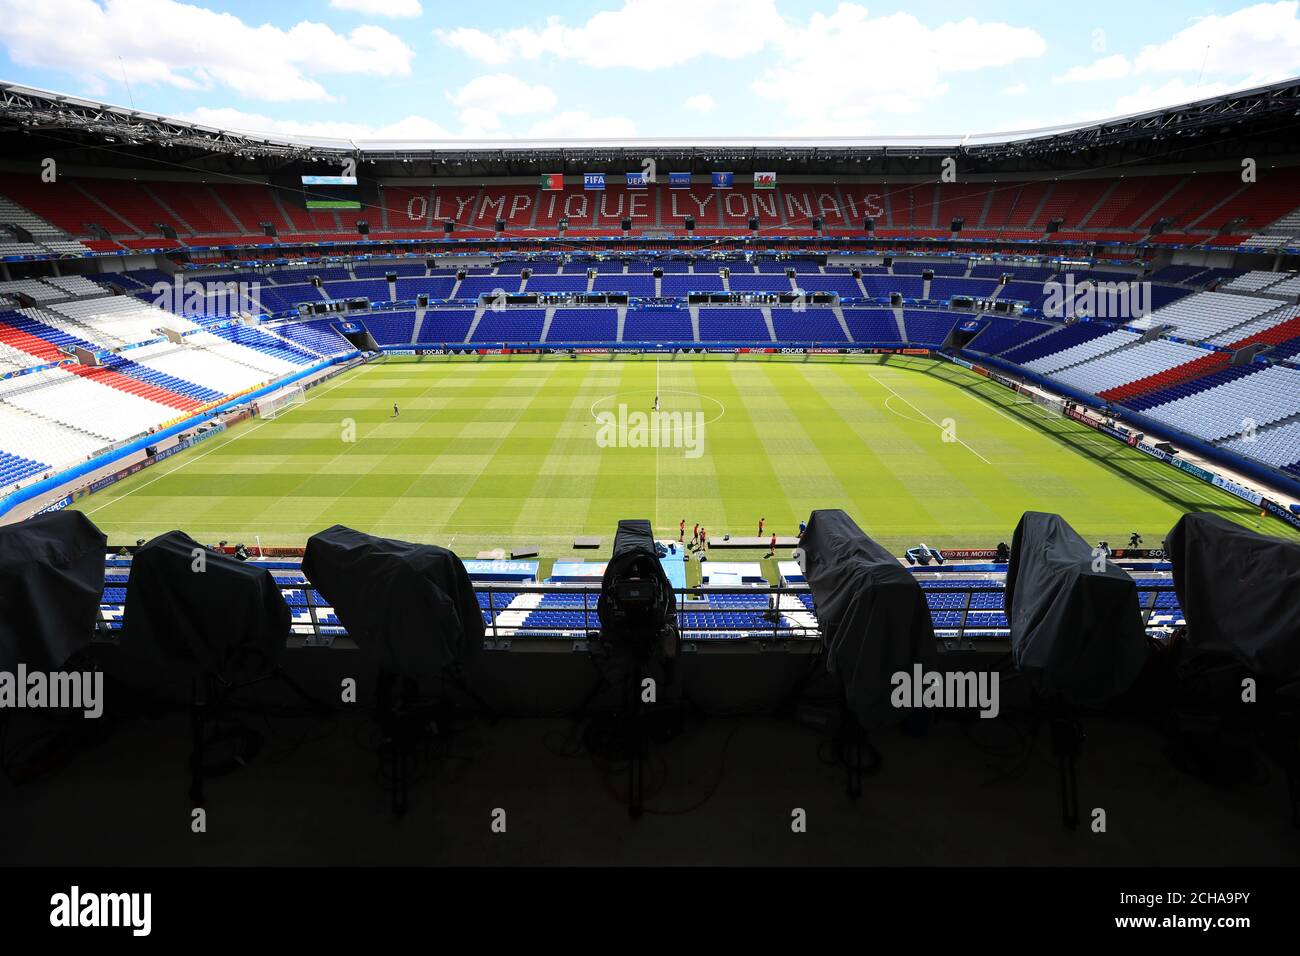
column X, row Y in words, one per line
column 331, row 192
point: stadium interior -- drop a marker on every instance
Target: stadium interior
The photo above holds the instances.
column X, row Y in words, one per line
column 1136, row 282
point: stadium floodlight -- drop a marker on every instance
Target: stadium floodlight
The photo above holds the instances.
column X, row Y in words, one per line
column 1076, row 632
column 875, row 623
column 222, row 621
column 412, row 611
column 638, row 626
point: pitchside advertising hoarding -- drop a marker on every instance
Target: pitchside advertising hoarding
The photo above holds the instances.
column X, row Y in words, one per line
column 502, row 570
column 1275, row 509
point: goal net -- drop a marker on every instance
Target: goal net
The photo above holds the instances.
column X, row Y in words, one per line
column 279, row 402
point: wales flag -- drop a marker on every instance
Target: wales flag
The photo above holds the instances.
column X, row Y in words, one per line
column 552, row 180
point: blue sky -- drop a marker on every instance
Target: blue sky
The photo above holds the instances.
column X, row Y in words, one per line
column 624, row 68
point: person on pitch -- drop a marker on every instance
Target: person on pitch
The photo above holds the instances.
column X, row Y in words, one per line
column 771, row 553
column 761, row 522
column 681, row 531
column 395, row 413
column 1134, row 540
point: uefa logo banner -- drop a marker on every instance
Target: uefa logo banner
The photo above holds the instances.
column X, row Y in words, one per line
column 593, row 180
column 723, row 180
column 764, row 180
column 637, row 181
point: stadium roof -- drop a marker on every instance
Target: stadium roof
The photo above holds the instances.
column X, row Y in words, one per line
column 86, row 124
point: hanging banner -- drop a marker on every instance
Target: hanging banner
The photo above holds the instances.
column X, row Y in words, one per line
column 679, row 180
column 723, row 180
column 765, row 180
column 593, row 180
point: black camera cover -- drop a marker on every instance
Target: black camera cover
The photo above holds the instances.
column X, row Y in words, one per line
column 410, row 606
column 1076, row 626
column 1240, row 593
column 873, row 615
column 187, row 603
column 51, row 583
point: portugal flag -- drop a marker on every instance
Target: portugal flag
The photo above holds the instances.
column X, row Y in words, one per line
column 552, row 180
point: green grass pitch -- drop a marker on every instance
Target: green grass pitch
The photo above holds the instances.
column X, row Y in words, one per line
column 494, row 452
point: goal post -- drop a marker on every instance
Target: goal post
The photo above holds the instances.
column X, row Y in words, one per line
column 279, row 401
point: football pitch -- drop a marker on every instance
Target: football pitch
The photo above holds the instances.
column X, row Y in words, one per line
column 489, row 452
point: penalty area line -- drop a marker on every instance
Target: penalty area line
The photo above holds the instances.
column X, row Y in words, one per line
column 926, row 417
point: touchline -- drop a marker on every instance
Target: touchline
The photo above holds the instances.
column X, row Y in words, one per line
column 62, row 690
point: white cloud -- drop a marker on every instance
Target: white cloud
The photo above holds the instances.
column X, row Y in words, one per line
column 842, row 68
column 1113, row 67
column 176, row 44
column 1259, row 44
column 577, row 124
column 411, row 127
column 1252, row 46
column 1016, row 89
column 485, row 99
column 380, row 8
column 700, row 103
column 642, row 34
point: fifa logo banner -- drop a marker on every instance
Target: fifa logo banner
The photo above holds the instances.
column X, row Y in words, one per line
column 765, row 180
column 679, row 180
column 637, row 181
column 723, row 180
column 593, row 180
